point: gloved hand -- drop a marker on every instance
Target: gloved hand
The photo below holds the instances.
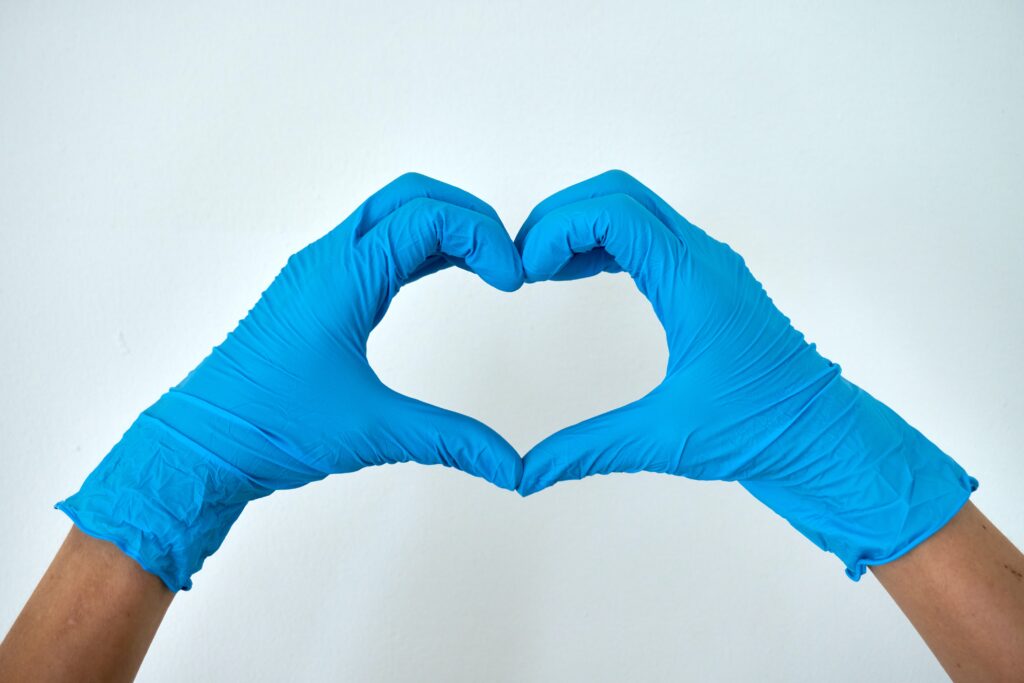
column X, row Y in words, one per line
column 289, row 397
column 745, row 397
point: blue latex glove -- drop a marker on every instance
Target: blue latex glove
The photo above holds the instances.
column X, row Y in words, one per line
column 289, row 397
column 745, row 397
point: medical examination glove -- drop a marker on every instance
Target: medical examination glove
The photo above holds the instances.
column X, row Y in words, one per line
column 745, row 397
column 289, row 397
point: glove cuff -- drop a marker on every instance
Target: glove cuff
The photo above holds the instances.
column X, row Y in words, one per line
column 872, row 487
column 163, row 499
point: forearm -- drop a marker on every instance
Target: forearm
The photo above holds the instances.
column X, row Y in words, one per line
column 963, row 590
column 91, row 618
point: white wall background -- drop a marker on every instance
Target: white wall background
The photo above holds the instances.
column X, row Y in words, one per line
column 159, row 162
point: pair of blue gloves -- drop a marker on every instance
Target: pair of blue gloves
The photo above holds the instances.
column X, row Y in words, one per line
column 289, row 397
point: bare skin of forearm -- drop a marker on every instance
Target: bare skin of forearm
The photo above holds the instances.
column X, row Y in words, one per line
column 95, row 612
column 963, row 590
column 91, row 618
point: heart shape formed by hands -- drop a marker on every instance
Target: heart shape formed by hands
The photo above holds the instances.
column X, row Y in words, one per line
column 289, row 397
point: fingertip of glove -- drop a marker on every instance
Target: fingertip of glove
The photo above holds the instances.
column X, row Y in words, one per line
column 509, row 283
column 503, row 269
column 534, row 275
column 529, row 486
column 524, row 491
column 506, row 479
column 528, row 483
